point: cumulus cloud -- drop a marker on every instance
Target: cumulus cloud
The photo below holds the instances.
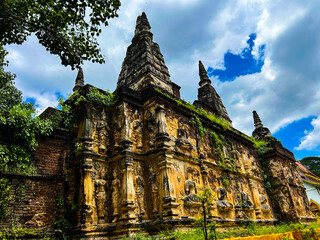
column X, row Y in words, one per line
column 287, row 86
column 312, row 139
column 286, row 89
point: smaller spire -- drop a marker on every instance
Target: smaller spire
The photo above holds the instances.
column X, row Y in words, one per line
column 260, row 132
column 204, row 79
column 257, row 120
column 79, row 81
column 142, row 25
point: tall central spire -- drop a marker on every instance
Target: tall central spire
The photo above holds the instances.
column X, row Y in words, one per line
column 144, row 64
column 142, row 25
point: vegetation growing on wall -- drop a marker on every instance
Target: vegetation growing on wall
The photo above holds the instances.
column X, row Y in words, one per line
column 224, row 125
column 19, row 126
column 262, row 147
column 217, row 142
column 5, row 197
column 71, row 106
column 23, row 126
column 15, row 152
column 196, row 123
column 180, row 102
column 225, row 182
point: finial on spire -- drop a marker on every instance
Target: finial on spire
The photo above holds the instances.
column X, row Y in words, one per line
column 142, row 25
column 79, row 81
column 204, row 79
column 257, row 120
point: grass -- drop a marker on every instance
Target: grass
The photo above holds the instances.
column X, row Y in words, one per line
column 248, row 229
column 19, row 232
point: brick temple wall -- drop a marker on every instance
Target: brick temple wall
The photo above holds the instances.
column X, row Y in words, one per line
column 34, row 198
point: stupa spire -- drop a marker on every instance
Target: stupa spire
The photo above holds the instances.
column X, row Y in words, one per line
column 79, row 83
column 204, row 79
column 142, row 26
column 260, row 132
column 208, row 98
column 144, row 64
column 257, row 120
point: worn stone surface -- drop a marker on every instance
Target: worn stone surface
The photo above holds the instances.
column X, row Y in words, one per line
column 208, row 98
column 79, row 83
column 260, row 132
column 143, row 161
column 144, row 64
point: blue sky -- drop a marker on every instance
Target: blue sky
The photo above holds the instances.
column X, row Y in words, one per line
column 260, row 55
column 240, row 64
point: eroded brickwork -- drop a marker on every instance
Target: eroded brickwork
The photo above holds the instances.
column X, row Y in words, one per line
column 34, row 198
column 140, row 163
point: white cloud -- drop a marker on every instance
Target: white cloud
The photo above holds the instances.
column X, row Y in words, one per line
column 286, row 90
column 312, row 139
column 16, row 57
column 43, row 100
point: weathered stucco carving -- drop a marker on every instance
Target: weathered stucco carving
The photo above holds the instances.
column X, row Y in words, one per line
column 149, row 160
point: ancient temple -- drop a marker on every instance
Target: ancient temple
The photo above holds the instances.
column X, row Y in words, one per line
column 138, row 164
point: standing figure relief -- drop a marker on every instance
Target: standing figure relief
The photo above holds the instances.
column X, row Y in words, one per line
column 140, row 191
column 154, row 189
column 102, row 133
column 115, row 185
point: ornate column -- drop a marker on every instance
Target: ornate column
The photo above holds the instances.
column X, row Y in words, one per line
column 162, row 136
column 88, row 216
column 167, row 188
column 128, row 193
column 88, row 188
column 86, row 135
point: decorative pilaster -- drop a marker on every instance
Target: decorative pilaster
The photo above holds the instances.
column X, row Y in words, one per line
column 167, row 187
column 88, row 188
column 86, row 136
column 128, row 192
column 162, row 136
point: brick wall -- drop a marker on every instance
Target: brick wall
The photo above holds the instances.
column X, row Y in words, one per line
column 50, row 154
column 34, row 202
column 34, row 198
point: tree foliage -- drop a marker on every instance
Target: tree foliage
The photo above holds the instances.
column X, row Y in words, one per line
column 18, row 124
column 9, row 94
column 23, row 126
column 205, row 197
column 67, row 28
column 312, row 163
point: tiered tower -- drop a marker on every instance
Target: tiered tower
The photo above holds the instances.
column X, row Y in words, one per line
column 144, row 64
column 208, row 98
